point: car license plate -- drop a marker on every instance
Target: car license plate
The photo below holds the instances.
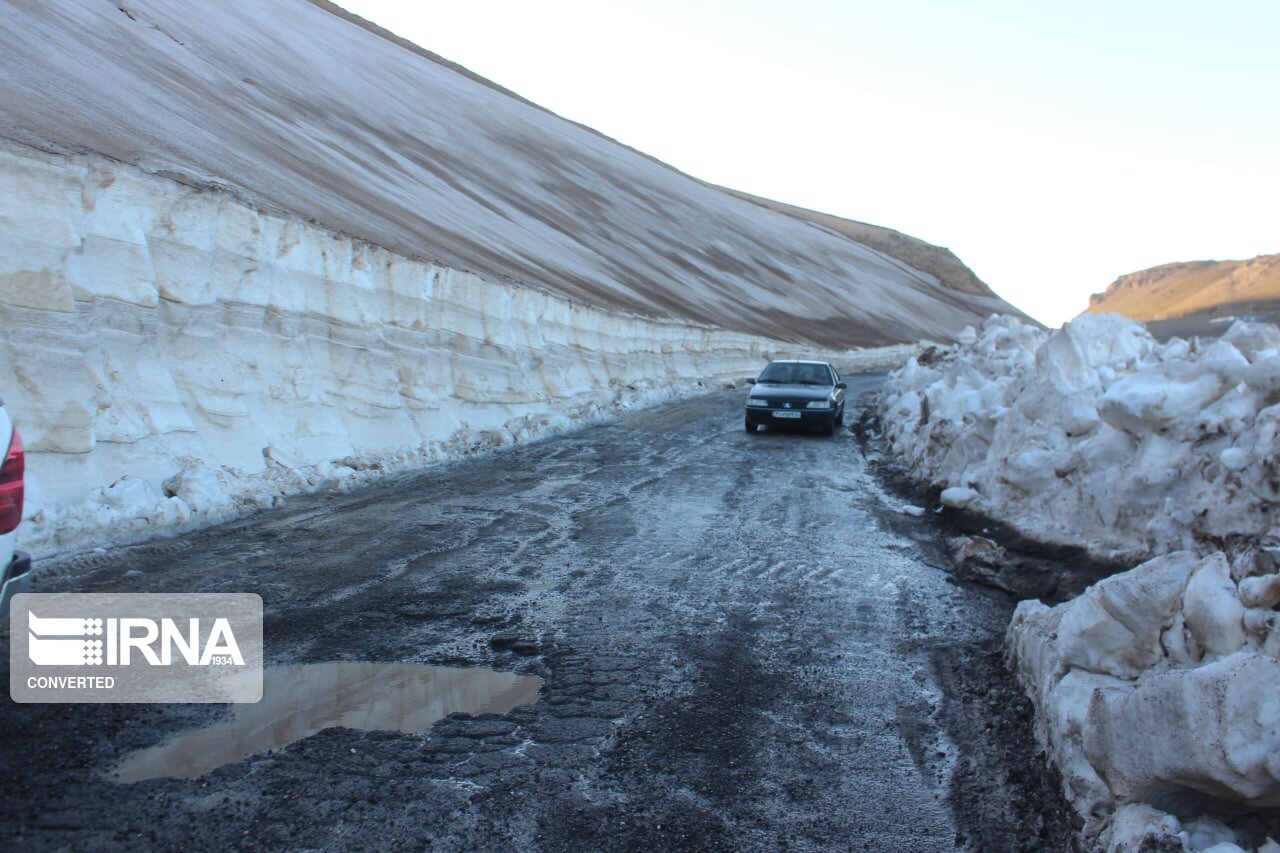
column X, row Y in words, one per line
column 786, row 414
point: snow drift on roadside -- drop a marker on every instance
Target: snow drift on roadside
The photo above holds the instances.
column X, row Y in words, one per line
column 1157, row 690
column 1096, row 435
column 176, row 357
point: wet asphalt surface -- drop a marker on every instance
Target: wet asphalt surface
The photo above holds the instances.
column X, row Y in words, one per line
column 746, row 644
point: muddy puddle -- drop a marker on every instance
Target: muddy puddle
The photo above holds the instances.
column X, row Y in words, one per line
column 299, row 701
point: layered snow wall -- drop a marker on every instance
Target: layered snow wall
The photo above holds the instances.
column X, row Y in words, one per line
column 1157, row 690
column 174, row 356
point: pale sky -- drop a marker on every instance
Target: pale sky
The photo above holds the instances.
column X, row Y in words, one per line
column 1052, row 147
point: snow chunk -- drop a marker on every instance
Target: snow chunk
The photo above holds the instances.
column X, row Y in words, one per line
column 1155, row 398
column 1075, row 358
column 1115, row 627
column 1212, row 610
column 1253, row 339
column 1263, row 592
column 1139, row 826
column 1234, row 458
column 1214, row 729
column 958, row 497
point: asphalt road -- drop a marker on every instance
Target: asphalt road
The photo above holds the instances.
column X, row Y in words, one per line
column 744, row 641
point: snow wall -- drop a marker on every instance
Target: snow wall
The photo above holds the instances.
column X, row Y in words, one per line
column 174, row 356
column 1157, row 690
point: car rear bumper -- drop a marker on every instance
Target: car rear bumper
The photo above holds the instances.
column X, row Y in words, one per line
column 16, row 579
column 759, row 415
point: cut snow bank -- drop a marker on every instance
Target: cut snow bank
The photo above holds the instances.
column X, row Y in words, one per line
column 176, row 357
column 1158, row 689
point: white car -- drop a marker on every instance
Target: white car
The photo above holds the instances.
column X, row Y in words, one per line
column 15, row 575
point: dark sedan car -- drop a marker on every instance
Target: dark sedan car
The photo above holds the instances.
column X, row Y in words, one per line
column 796, row 394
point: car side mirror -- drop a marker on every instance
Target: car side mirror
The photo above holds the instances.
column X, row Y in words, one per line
column 842, row 384
column 751, row 382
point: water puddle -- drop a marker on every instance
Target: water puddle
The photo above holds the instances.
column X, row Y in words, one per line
column 299, row 701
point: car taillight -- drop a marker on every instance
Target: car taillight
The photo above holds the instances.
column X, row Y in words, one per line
column 11, row 485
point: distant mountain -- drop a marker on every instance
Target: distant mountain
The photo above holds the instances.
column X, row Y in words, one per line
column 1195, row 289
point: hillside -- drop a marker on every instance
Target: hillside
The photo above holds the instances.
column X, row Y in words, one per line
column 300, row 111
column 1201, row 289
column 937, row 261
column 925, row 257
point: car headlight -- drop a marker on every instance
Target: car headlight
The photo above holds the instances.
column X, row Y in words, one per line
column 819, row 404
column 752, row 401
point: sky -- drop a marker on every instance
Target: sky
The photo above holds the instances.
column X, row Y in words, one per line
column 1052, row 147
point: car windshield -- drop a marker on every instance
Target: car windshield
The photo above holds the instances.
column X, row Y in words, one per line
column 797, row 374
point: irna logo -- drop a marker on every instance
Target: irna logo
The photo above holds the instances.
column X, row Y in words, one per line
column 93, row 641
column 135, row 647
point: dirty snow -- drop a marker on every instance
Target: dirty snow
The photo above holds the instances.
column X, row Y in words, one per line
column 1158, row 689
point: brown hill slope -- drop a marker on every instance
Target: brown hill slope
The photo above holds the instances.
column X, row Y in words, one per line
column 1178, row 290
column 939, row 262
column 300, row 110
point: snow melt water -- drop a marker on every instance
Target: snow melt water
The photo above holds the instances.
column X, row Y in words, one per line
column 1157, row 690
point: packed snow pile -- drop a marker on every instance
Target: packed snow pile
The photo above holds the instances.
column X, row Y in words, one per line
column 1158, row 696
column 1158, row 689
column 1096, row 435
column 176, row 357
